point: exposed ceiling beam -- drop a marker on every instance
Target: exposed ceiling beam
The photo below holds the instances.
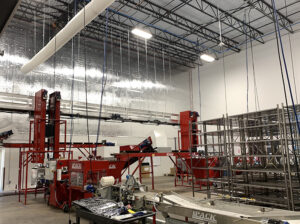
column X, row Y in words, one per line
column 267, row 10
column 96, row 29
column 7, row 11
column 185, row 24
column 159, row 42
column 215, row 12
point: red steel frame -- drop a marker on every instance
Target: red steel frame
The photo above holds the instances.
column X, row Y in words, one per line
column 40, row 153
column 182, row 178
column 54, row 121
column 36, row 152
column 188, row 140
column 141, row 157
column 32, row 154
column 37, row 149
column 40, row 103
column 24, row 169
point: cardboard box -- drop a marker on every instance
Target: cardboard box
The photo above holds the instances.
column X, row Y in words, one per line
column 106, row 151
column 146, row 169
column 172, row 171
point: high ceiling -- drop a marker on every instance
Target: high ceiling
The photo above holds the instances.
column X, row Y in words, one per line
column 6, row 12
column 181, row 28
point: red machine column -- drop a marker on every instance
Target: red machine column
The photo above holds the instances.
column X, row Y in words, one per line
column 40, row 102
column 189, row 130
column 54, row 123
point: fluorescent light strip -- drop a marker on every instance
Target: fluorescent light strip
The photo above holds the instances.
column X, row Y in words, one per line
column 208, row 58
column 141, row 33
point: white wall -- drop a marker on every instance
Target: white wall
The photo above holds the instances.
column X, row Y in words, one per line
column 268, row 79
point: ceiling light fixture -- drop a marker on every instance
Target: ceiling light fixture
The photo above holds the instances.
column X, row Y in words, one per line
column 141, row 33
column 208, row 58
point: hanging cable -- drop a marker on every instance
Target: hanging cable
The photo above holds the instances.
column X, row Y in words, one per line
column 199, row 90
column 256, row 99
column 292, row 59
column 44, row 30
column 103, row 80
column 86, row 97
column 164, row 76
column 54, row 65
column 121, row 59
column 154, row 67
column 111, row 50
column 163, row 64
column 221, row 45
column 72, row 100
column 146, row 52
column 279, row 44
column 129, row 70
column 247, row 64
column 199, row 83
column 147, row 69
column 285, row 65
column 72, row 89
column 138, row 56
column 224, row 77
column 170, row 71
column 44, row 20
column 34, row 31
column 85, row 85
column 293, row 68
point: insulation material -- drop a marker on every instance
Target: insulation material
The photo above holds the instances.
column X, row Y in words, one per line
column 125, row 89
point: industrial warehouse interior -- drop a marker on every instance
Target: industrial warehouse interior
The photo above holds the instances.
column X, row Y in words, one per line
column 144, row 111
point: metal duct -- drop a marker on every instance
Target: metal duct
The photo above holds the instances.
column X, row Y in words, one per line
column 74, row 26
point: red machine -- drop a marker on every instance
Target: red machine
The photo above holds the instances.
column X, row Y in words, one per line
column 68, row 177
column 53, row 128
column 189, row 138
column 71, row 178
column 40, row 103
column 189, row 130
column 145, row 146
column 58, row 189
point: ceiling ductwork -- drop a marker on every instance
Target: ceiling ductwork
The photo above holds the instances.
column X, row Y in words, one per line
column 74, row 26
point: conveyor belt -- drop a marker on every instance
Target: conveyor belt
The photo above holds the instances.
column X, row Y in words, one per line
column 218, row 211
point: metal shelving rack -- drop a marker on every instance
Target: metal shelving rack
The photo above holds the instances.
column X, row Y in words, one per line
column 256, row 160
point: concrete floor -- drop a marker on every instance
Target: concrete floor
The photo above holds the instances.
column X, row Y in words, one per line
column 37, row 211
